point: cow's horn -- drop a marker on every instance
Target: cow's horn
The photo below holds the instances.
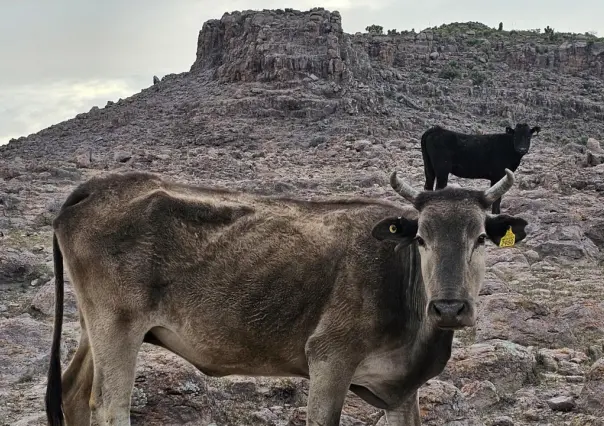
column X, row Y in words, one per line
column 496, row 191
column 404, row 189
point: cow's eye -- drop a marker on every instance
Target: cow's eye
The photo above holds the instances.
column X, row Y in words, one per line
column 481, row 239
column 420, row 241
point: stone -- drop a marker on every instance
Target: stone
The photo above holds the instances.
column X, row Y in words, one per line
column 83, row 160
column 442, row 402
column 264, row 417
column 122, row 156
column 595, row 232
column 516, row 318
column 594, row 145
column 506, row 365
column 593, row 159
column 481, row 395
column 19, row 267
column 590, row 400
column 502, row 421
column 561, row 403
column 28, row 340
column 44, row 300
column 362, row 145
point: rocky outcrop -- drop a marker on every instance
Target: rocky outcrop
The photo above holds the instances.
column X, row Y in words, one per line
column 273, row 45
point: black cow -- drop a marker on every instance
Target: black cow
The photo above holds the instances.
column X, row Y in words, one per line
column 473, row 156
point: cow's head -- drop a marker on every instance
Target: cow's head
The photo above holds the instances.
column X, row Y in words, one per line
column 522, row 136
column 451, row 230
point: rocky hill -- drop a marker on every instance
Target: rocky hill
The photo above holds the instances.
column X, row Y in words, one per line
column 286, row 102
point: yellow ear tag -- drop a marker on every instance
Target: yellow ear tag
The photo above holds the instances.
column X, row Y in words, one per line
column 393, row 229
column 508, row 239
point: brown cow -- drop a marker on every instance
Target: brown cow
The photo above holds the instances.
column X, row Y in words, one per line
column 355, row 294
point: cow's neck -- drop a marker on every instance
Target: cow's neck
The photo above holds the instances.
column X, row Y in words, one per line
column 406, row 300
column 415, row 350
column 429, row 346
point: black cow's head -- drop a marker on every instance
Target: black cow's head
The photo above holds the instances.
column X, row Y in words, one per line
column 522, row 136
column 450, row 232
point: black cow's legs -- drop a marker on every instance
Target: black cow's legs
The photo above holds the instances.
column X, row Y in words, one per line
column 430, row 177
column 441, row 180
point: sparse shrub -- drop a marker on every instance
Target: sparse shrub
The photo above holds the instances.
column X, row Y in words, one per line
column 549, row 33
column 44, row 219
column 478, row 78
column 583, row 140
column 375, row 29
column 474, row 42
column 449, row 73
column 9, row 202
column 393, row 32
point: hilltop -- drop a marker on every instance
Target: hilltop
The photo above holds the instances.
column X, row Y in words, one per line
column 283, row 101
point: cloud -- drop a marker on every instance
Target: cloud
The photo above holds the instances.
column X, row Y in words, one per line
column 28, row 109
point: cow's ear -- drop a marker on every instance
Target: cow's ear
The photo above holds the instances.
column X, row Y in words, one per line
column 509, row 130
column 535, row 130
column 397, row 229
column 510, row 228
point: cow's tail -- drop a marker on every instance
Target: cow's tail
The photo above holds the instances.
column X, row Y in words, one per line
column 54, row 391
column 428, row 167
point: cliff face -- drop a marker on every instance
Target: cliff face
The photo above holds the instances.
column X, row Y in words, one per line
column 282, row 45
column 284, row 102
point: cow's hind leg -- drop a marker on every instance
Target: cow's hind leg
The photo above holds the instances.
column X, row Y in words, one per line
column 77, row 383
column 115, row 346
column 405, row 415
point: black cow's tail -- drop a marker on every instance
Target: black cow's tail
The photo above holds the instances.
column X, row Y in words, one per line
column 428, row 167
column 54, row 391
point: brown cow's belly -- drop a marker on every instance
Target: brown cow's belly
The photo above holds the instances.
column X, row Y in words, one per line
column 218, row 362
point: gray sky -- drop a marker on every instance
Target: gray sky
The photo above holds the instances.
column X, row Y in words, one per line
column 59, row 58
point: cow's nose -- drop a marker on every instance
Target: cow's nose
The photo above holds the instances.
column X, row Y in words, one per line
column 451, row 313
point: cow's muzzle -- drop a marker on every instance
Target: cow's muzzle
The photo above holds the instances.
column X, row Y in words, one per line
column 451, row 314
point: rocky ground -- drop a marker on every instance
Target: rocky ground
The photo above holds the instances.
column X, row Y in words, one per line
column 284, row 102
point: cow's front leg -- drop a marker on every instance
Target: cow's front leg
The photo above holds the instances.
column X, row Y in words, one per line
column 407, row 414
column 330, row 373
column 329, row 382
